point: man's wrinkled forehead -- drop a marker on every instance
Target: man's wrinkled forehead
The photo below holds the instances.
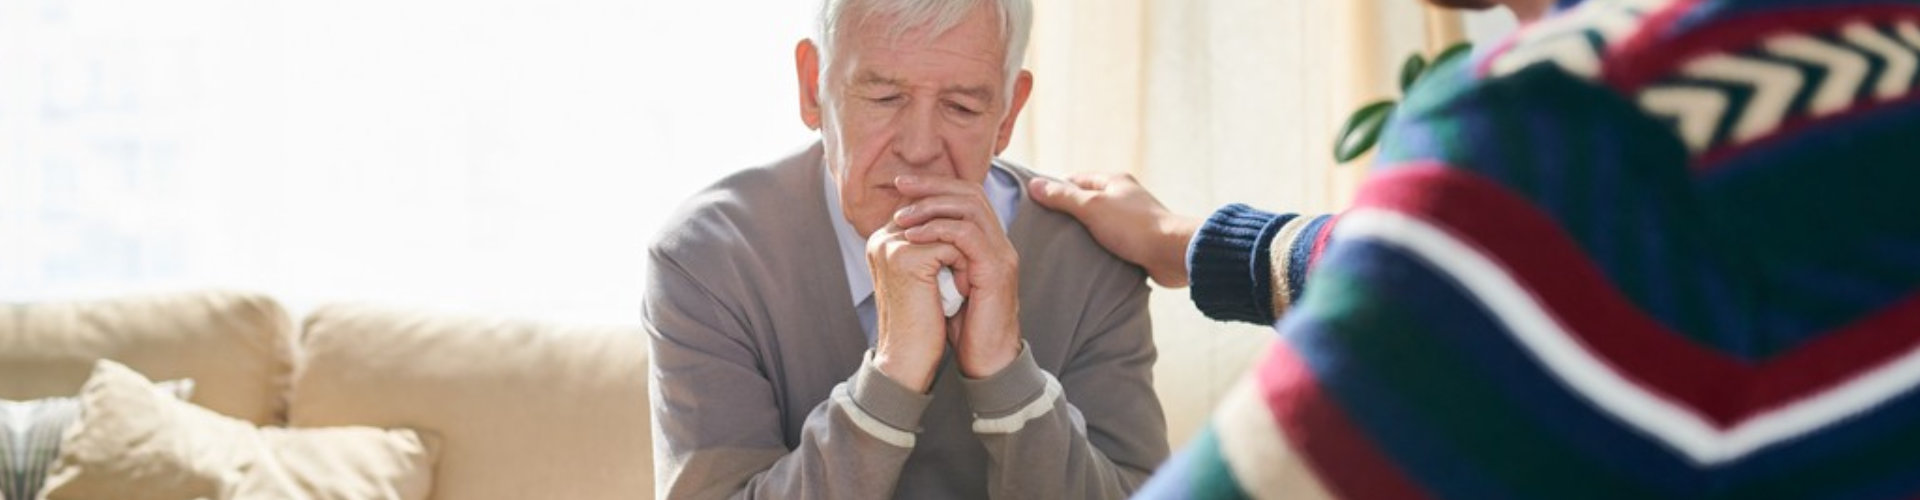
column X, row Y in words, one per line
column 868, row 78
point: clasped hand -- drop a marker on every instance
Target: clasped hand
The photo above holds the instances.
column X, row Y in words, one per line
column 947, row 223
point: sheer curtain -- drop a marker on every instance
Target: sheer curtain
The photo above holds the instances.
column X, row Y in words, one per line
column 477, row 154
column 1211, row 103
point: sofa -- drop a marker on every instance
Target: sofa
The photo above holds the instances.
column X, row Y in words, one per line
column 521, row 409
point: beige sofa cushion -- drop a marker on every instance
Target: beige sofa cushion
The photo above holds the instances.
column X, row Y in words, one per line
column 238, row 348
column 30, row 438
column 525, row 410
column 134, row 443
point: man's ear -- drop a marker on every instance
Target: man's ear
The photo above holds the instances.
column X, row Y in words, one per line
column 806, row 62
column 1022, row 87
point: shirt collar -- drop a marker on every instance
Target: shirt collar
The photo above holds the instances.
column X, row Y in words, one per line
column 1003, row 194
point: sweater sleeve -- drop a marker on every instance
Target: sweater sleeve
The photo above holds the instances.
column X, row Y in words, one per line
column 1095, row 431
column 717, row 429
column 1249, row 265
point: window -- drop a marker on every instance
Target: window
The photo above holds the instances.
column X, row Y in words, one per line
column 504, row 156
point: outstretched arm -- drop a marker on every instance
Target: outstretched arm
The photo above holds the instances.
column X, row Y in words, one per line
column 1244, row 264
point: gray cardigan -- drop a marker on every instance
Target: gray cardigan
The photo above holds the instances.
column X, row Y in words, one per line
column 760, row 387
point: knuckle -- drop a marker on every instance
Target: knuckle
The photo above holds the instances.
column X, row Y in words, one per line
column 887, row 250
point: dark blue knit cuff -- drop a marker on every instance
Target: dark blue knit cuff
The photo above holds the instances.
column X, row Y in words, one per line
column 1231, row 276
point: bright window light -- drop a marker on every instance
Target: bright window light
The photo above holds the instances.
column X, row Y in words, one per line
column 505, row 156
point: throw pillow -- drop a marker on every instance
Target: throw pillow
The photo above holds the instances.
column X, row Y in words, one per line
column 30, row 437
column 131, row 444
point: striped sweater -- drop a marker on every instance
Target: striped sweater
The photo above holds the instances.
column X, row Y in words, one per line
column 1644, row 249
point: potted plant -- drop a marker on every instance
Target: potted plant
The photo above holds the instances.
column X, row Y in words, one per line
column 1362, row 130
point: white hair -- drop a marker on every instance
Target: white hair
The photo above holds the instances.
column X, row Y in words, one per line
column 1016, row 21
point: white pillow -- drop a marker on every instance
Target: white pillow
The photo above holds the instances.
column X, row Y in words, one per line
column 30, row 434
column 132, row 444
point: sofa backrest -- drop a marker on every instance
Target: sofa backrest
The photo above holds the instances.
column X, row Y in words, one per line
column 237, row 348
column 525, row 410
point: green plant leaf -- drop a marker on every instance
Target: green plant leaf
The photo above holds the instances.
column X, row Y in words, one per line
column 1455, row 51
column 1410, row 71
column 1362, row 131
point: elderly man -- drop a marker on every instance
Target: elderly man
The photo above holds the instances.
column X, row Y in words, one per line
column 800, row 344
column 1646, row 249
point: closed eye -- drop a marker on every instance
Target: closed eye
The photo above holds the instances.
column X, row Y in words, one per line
column 962, row 109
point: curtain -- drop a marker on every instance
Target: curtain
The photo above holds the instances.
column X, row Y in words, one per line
column 1209, row 103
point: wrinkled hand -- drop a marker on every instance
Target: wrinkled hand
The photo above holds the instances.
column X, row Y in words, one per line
column 986, row 334
column 1126, row 219
column 911, row 329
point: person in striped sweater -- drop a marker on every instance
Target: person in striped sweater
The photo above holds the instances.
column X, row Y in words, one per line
column 1641, row 249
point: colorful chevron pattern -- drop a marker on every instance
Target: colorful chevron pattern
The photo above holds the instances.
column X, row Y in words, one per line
column 1649, row 249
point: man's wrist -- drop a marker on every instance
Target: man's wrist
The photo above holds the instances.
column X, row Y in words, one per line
column 916, row 376
column 1019, row 384
column 991, row 362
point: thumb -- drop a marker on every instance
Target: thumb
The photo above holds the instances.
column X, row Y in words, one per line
column 1058, row 195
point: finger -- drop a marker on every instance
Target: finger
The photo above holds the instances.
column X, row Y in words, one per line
column 889, row 246
column 950, row 231
column 961, row 278
column 1094, row 181
column 975, row 248
column 969, row 208
column 880, row 237
column 923, row 261
column 1059, row 195
column 916, row 186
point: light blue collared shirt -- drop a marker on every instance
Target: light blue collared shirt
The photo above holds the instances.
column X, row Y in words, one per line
column 1003, row 196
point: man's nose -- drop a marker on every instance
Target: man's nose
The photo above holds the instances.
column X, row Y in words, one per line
column 917, row 141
